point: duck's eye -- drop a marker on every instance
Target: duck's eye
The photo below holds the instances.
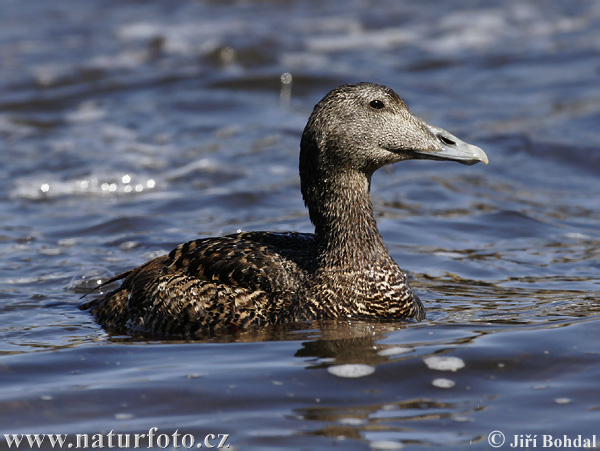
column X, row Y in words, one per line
column 377, row 104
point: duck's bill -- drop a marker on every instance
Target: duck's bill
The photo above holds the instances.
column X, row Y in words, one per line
column 452, row 149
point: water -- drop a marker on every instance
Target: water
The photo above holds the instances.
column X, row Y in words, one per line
column 130, row 127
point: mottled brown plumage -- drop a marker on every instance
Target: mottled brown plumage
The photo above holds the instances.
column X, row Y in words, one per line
column 342, row 270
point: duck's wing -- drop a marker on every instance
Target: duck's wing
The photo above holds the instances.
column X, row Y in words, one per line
column 210, row 284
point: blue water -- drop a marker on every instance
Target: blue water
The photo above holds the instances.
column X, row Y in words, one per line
column 127, row 128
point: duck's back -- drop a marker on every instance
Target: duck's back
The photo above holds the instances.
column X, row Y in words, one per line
column 214, row 283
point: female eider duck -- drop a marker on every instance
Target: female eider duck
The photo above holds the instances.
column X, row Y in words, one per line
column 342, row 270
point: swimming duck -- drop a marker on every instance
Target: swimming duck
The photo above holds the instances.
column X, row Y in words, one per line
column 343, row 270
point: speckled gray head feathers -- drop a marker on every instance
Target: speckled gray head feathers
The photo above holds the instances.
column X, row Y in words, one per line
column 342, row 270
column 365, row 126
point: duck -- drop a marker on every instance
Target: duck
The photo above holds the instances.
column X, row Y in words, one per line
column 342, row 270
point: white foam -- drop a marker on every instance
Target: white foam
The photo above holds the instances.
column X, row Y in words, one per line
column 441, row 382
column 86, row 112
column 577, row 236
column 444, row 363
column 351, row 370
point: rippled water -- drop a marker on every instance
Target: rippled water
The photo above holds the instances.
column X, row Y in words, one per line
column 129, row 127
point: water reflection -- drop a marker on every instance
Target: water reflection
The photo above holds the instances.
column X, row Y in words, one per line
column 399, row 422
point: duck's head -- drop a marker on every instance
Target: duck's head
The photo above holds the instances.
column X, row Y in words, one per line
column 362, row 127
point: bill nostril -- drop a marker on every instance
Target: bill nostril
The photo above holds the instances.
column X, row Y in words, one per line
column 446, row 141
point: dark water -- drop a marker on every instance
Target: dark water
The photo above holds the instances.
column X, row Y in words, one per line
column 129, row 127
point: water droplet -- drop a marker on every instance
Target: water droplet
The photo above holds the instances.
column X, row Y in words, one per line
column 89, row 278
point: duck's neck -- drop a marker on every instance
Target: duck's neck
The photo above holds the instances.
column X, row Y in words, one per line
column 345, row 227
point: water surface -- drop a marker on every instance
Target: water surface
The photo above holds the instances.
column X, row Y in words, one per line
column 129, row 127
